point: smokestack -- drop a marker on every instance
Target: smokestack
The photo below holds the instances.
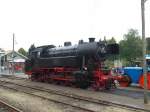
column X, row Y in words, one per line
column 80, row 42
column 91, row 39
column 67, row 43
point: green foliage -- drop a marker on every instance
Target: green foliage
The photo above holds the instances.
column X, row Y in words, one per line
column 131, row 46
column 110, row 59
column 148, row 45
column 32, row 47
column 111, row 41
column 22, row 51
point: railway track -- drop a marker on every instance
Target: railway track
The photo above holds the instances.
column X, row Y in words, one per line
column 8, row 108
column 81, row 99
column 61, row 99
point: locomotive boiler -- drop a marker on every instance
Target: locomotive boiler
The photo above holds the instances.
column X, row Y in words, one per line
column 80, row 65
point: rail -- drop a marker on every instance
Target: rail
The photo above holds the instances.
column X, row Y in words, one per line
column 89, row 99
column 9, row 107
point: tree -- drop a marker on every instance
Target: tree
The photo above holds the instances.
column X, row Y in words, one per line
column 110, row 58
column 111, row 41
column 22, row 51
column 131, row 46
column 148, row 45
column 32, row 47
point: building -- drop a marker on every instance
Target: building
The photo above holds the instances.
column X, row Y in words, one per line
column 2, row 53
column 18, row 60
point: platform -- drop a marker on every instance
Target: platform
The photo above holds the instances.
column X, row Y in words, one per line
column 21, row 75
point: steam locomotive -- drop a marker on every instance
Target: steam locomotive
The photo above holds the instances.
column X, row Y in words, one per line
column 79, row 65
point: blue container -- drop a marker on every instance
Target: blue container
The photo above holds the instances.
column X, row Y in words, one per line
column 134, row 73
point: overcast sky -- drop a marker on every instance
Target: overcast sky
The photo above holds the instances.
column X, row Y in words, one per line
column 55, row 21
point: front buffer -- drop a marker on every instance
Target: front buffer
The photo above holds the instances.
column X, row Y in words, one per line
column 102, row 80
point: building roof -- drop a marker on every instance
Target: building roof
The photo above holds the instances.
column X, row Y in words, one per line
column 18, row 57
column 2, row 51
column 10, row 52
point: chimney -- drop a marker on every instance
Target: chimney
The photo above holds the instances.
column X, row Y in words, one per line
column 91, row 39
column 80, row 42
column 67, row 43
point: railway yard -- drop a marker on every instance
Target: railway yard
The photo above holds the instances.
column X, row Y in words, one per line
column 75, row 56
column 29, row 96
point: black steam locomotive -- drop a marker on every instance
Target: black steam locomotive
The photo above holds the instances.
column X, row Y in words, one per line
column 81, row 65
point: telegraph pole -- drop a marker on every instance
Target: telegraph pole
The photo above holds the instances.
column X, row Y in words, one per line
column 13, row 55
column 144, row 50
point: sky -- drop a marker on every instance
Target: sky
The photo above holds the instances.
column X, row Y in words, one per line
column 44, row 22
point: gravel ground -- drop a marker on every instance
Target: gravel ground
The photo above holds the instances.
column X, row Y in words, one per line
column 3, row 109
column 44, row 106
column 28, row 103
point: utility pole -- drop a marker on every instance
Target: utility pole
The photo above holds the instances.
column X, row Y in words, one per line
column 144, row 50
column 13, row 55
column 0, row 64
